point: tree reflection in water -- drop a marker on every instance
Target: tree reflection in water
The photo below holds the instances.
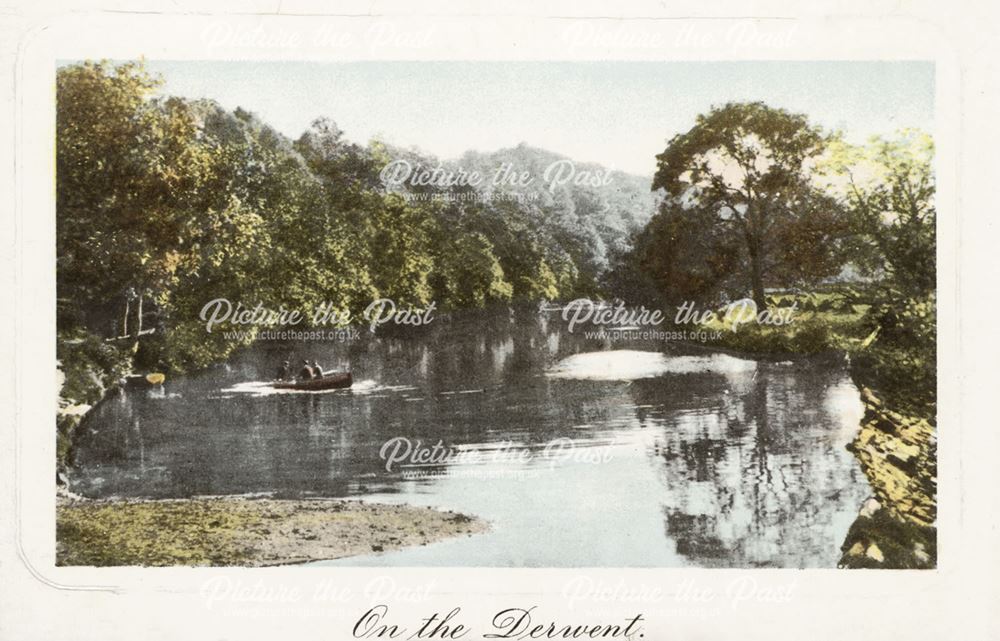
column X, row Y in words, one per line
column 752, row 469
column 714, row 460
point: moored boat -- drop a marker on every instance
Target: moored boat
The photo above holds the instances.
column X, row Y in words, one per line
column 141, row 381
column 330, row 380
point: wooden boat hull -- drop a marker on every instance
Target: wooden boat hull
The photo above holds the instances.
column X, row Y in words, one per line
column 335, row 380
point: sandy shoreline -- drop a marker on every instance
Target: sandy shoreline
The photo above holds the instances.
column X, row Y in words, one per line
column 242, row 531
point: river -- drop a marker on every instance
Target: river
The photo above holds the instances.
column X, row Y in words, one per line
column 580, row 452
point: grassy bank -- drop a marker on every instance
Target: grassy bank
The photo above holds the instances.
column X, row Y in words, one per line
column 237, row 531
column 891, row 347
column 821, row 322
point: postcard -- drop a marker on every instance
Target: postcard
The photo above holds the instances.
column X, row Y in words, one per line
column 529, row 326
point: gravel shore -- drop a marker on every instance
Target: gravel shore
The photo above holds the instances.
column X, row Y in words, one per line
column 242, row 531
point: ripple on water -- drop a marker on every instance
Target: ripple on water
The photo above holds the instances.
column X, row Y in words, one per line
column 265, row 388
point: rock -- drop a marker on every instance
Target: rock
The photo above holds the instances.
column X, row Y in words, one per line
column 870, row 507
column 869, row 398
column 74, row 409
column 898, row 455
column 874, row 553
column 906, row 451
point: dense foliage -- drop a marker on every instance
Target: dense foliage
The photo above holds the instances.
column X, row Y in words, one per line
column 758, row 200
column 741, row 211
column 165, row 204
column 888, row 189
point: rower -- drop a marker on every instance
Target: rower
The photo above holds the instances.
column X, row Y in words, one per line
column 317, row 370
column 306, row 373
column 283, row 373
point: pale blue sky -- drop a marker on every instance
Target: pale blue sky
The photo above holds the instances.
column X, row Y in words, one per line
column 617, row 113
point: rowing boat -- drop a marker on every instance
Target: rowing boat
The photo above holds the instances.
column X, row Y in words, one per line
column 331, row 380
column 139, row 381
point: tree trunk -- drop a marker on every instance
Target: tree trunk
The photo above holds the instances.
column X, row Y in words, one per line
column 138, row 318
column 757, row 280
column 138, row 324
column 751, row 232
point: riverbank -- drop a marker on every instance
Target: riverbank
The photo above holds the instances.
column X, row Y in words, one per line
column 241, row 531
column 821, row 323
column 88, row 370
column 896, row 527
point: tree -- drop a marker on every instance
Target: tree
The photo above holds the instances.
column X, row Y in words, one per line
column 174, row 203
column 130, row 178
column 747, row 168
column 686, row 255
column 468, row 273
column 888, row 188
column 256, row 196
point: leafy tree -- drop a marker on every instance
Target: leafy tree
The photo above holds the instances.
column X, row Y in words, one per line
column 746, row 168
column 165, row 204
column 687, row 255
column 888, row 188
column 130, row 192
column 401, row 259
column 469, row 273
column 576, row 226
column 522, row 247
column 257, row 185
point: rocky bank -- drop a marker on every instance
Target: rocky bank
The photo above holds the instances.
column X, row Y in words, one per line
column 896, row 527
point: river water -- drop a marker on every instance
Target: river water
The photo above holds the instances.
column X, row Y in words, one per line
column 580, row 452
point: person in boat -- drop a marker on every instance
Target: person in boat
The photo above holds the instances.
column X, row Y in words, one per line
column 283, row 372
column 317, row 370
column 306, row 373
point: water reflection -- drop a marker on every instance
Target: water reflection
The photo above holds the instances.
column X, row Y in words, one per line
column 757, row 470
column 630, row 365
column 672, row 459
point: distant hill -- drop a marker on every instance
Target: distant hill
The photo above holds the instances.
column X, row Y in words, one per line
column 586, row 210
column 618, row 201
